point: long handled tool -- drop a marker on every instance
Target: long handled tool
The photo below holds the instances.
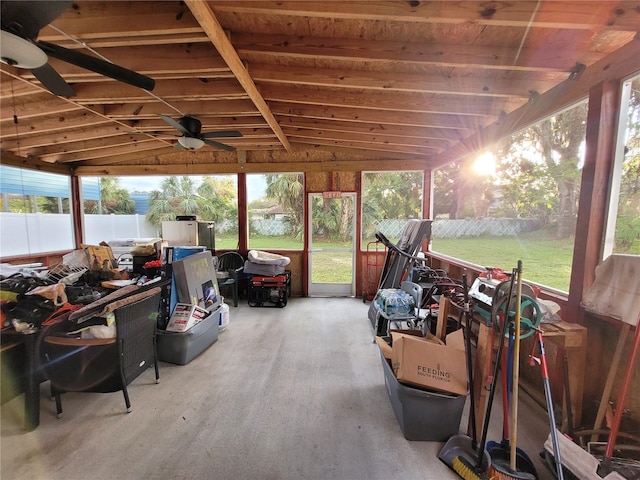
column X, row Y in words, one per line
column 547, row 392
column 500, row 451
column 499, row 470
column 462, row 446
column 461, row 465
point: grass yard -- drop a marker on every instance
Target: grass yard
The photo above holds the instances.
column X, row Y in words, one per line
column 545, row 260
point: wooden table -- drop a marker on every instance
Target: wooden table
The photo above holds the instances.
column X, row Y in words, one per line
column 570, row 337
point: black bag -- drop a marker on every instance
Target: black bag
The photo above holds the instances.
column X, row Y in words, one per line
column 29, row 308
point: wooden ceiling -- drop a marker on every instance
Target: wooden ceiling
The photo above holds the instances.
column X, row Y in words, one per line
column 312, row 85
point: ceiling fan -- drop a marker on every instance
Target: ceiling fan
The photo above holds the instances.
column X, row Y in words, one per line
column 21, row 23
column 192, row 139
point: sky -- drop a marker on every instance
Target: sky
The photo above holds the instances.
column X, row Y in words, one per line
column 256, row 184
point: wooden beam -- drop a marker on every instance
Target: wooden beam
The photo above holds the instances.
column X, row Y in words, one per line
column 355, row 140
column 444, row 104
column 205, row 17
column 447, row 136
column 594, row 191
column 482, row 84
column 620, row 64
column 456, row 123
column 291, row 114
column 12, row 160
column 418, row 53
column 110, row 92
column 609, row 15
column 106, row 19
column 229, row 108
column 57, row 139
column 251, row 167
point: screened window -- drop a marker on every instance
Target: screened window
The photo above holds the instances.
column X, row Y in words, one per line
column 623, row 229
column 135, row 207
column 389, row 199
column 35, row 214
column 517, row 202
column 275, row 211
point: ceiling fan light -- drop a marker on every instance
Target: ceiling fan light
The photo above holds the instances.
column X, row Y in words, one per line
column 21, row 53
column 190, row 143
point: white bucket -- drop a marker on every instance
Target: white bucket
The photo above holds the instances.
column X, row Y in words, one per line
column 224, row 315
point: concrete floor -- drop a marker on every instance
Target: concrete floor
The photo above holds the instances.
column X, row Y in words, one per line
column 285, row 393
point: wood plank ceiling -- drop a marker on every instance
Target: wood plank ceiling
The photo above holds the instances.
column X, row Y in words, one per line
column 311, row 85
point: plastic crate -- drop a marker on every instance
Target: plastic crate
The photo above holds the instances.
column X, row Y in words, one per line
column 423, row 415
column 269, row 291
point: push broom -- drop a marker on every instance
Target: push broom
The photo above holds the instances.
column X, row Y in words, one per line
column 462, row 446
column 467, row 464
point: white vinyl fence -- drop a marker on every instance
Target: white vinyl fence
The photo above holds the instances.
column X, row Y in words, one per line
column 30, row 233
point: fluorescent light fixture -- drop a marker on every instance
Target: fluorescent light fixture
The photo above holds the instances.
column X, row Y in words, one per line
column 190, row 143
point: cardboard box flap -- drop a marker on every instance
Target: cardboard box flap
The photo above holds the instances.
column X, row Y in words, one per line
column 456, row 339
column 385, row 348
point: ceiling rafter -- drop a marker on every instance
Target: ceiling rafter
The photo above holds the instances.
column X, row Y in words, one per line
column 380, row 82
column 203, row 13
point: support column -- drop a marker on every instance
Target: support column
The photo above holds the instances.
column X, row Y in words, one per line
column 594, row 192
column 76, row 211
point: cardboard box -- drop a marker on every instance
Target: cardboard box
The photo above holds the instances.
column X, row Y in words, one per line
column 428, row 363
column 186, row 316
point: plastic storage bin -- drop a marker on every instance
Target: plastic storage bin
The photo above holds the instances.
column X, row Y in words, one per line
column 423, row 415
column 182, row 347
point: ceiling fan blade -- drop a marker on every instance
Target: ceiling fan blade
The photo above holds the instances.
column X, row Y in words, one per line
column 175, row 125
column 26, row 18
column 53, row 81
column 221, row 146
column 98, row 65
column 222, row 134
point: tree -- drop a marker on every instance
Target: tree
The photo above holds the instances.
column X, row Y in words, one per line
column 213, row 200
column 390, row 195
column 540, row 169
column 177, row 196
column 113, row 199
column 288, row 190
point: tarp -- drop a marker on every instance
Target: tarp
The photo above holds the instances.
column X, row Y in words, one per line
column 616, row 290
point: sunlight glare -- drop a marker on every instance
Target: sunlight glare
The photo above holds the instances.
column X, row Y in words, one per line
column 485, row 164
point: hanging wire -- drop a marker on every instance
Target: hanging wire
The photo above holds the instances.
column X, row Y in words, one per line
column 85, row 45
column 526, row 32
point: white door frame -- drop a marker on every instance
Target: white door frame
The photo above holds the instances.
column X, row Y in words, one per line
column 331, row 289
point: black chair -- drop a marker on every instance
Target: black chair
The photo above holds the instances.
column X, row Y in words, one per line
column 230, row 266
column 106, row 364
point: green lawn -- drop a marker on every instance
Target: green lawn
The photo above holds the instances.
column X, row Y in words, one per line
column 545, row 260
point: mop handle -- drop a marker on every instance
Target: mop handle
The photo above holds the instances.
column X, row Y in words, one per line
column 552, row 418
column 516, row 372
column 468, row 321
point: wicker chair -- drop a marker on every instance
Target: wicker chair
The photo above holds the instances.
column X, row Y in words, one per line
column 109, row 364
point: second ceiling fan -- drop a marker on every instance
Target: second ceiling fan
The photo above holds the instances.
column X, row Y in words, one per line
column 193, row 139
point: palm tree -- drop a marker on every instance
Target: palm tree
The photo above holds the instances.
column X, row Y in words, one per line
column 113, row 199
column 288, row 190
column 177, row 196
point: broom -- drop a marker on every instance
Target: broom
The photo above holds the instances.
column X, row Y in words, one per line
column 461, row 465
column 498, row 471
